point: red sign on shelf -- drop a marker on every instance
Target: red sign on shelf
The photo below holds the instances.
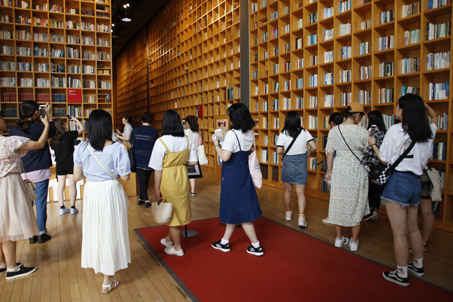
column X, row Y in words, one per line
column 199, row 111
column 74, row 95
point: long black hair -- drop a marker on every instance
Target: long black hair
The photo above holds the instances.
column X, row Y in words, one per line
column 375, row 118
column 240, row 117
column 193, row 122
column 171, row 124
column 415, row 122
column 292, row 124
column 335, row 118
column 130, row 120
column 27, row 110
column 99, row 128
column 60, row 134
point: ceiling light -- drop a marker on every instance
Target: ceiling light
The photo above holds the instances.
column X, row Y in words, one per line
column 125, row 17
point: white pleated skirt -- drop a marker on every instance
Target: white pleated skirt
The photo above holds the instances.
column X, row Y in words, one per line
column 105, row 242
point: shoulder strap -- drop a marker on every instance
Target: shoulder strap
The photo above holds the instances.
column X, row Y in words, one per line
column 402, row 156
column 239, row 143
column 99, row 162
column 348, row 145
column 187, row 142
column 292, row 142
column 168, row 151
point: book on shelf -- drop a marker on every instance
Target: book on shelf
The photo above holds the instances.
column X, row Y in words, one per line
column 439, row 151
column 439, row 91
column 438, row 60
column 387, row 16
column 385, row 95
column 410, row 89
column 411, row 9
column 436, row 31
column 313, row 102
column 409, row 65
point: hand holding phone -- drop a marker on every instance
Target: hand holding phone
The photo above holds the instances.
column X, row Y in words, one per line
column 42, row 110
column 372, row 130
column 68, row 116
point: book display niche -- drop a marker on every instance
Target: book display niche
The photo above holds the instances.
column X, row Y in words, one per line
column 315, row 57
column 194, row 63
column 56, row 51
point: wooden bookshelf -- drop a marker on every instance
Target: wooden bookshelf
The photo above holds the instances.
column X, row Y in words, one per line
column 344, row 45
column 54, row 46
column 194, row 62
column 131, row 80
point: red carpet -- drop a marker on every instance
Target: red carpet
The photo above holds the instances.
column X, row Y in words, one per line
column 295, row 267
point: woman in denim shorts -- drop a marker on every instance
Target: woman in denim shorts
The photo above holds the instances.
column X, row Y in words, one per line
column 403, row 190
column 294, row 168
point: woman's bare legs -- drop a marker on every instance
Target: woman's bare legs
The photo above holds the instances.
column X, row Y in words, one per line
column 192, row 185
column 9, row 253
column 174, row 234
column 72, row 190
column 61, row 186
column 287, row 195
column 426, row 207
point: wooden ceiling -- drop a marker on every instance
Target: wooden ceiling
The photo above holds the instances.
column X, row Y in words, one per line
column 140, row 11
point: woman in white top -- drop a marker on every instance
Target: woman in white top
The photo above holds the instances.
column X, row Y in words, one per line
column 191, row 130
column 238, row 199
column 171, row 154
column 129, row 124
column 292, row 142
column 105, row 233
column 403, row 190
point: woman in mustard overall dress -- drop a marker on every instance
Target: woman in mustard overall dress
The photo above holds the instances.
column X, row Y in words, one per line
column 171, row 154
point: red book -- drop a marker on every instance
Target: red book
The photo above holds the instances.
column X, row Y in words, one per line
column 74, row 95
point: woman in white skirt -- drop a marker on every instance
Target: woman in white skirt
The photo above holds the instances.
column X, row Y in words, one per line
column 105, row 241
column 17, row 219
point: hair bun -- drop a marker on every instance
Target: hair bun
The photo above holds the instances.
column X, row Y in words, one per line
column 349, row 108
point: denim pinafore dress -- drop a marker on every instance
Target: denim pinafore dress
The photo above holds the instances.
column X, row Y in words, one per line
column 238, row 200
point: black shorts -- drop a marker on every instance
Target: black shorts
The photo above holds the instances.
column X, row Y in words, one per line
column 65, row 168
column 427, row 186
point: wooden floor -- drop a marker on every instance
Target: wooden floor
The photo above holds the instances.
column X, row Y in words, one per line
column 60, row 278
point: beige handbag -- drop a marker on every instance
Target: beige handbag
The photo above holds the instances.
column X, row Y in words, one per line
column 162, row 211
column 29, row 186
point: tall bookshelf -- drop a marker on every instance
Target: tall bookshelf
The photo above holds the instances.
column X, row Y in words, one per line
column 316, row 56
column 194, row 62
column 131, row 80
column 50, row 47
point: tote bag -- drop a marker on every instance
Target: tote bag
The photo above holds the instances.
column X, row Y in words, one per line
column 202, row 159
column 255, row 170
column 162, row 211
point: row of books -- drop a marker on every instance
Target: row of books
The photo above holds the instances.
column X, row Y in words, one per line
column 313, row 102
column 386, row 69
column 313, row 163
column 411, row 36
column 436, row 31
column 365, row 97
column 409, row 65
column 387, row 16
column 386, row 42
column 365, row 72
column 439, row 91
column 328, row 78
column 346, row 52
column 345, row 76
column 437, row 3
column 410, row 89
column 385, row 95
column 8, row 112
column 75, row 111
column 345, row 98
column 438, row 60
column 9, row 97
column 411, row 9
column 442, row 121
column 439, row 151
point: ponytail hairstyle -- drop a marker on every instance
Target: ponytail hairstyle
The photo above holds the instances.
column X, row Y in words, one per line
column 61, row 132
column 415, row 122
column 292, row 124
column 27, row 110
column 130, row 120
column 193, row 122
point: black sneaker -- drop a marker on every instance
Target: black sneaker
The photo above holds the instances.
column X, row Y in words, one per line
column 147, row 204
column 33, row 240
column 373, row 215
column 419, row 271
column 23, row 271
column 141, row 202
column 393, row 277
column 255, row 251
column 3, row 270
column 43, row 238
column 223, row 247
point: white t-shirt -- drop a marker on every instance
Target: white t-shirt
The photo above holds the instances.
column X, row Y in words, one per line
column 299, row 146
column 174, row 144
column 396, row 141
column 193, row 136
column 230, row 143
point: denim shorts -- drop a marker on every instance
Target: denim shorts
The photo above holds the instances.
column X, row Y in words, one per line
column 294, row 169
column 403, row 188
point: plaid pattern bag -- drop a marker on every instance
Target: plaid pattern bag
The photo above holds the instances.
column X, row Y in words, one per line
column 381, row 173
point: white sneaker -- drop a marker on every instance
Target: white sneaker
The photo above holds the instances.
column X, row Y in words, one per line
column 65, row 210
column 354, row 246
column 173, row 251
column 74, row 211
column 165, row 243
column 339, row 242
column 288, row 215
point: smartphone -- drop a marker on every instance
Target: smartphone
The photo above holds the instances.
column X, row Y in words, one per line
column 218, row 133
column 42, row 110
column 372, row 130
column 68, row 116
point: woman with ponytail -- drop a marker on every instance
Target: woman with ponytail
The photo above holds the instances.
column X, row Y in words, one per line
column 63, row 145
column 36, row 162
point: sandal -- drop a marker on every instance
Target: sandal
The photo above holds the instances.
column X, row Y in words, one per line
column 113, row 284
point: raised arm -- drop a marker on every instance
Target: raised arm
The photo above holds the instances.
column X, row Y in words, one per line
column 80, row 126
column 41, row 142
column 432, row 114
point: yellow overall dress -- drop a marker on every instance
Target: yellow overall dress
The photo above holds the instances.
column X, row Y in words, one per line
column 174, row 186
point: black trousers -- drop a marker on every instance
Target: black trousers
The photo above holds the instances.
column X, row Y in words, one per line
column 143, row 180
column 374, row 194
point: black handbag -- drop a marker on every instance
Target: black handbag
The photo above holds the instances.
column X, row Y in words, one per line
column 381, row 173
column 130, row 152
